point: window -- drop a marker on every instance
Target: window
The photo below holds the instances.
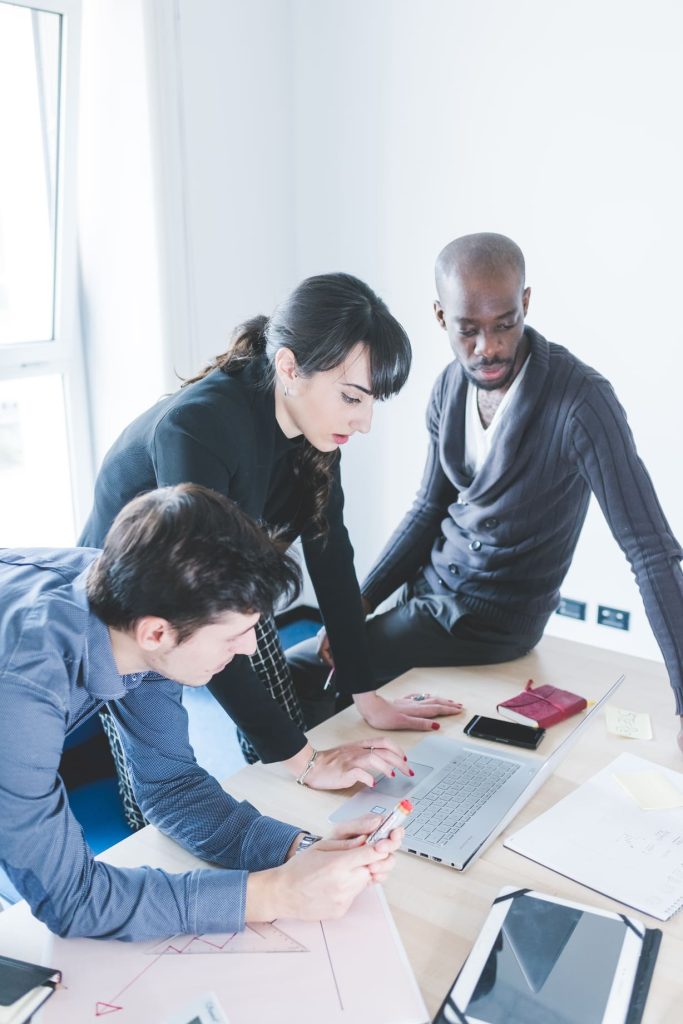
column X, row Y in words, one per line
column 45, row 456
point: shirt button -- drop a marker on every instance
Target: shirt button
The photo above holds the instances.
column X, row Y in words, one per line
column 490, row 523
column 475, row 545
column 453, row 569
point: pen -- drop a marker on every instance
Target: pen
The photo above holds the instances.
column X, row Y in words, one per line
column 395, row 818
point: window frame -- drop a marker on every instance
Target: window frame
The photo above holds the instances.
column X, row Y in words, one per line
column 63, row 354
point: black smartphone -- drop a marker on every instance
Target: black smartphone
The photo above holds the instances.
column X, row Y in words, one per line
column 504, row 732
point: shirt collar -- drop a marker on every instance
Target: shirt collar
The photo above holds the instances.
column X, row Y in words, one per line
column 101, row 676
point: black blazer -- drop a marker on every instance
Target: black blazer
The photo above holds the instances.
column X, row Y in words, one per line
column 221, row 432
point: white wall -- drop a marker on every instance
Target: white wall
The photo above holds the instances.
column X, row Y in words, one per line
column 341, row 134
column 558, row 124
column 236, row 67
column 120, row 300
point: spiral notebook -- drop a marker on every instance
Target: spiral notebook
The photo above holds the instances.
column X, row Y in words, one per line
column 600, row 837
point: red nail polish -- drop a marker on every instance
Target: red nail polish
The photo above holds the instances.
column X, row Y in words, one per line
column 411, row 771
column 393, row 775
column 405, row 758
column 435, row 725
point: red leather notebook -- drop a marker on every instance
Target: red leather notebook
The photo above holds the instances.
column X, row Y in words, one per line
column 541, row 706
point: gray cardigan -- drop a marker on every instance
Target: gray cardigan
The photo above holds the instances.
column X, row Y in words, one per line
column 503, row 540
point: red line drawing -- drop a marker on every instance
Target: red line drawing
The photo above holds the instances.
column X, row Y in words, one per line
column 256, row 938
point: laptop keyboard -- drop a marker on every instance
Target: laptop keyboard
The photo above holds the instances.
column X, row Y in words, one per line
column 469, row 782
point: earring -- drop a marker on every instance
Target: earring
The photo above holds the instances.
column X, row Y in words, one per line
column 286, row 392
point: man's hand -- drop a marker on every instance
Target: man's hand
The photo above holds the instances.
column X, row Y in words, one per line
column 344, row 766
column 323, row 881
column 415, row 711
column 324, row 650
column 365, row 826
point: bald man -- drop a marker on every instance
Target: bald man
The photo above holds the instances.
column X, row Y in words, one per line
column 521, row 432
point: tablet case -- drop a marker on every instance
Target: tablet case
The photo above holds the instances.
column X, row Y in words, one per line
column 651, row 940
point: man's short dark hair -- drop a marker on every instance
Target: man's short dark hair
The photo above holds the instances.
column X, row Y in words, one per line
column 188, row 555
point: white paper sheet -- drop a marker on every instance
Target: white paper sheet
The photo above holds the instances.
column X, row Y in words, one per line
column 354, row 970
column 600, row 837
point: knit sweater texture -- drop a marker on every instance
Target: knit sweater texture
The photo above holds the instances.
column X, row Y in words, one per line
column 503, row 540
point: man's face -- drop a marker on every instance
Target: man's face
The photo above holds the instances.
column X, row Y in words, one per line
column 208, row 650
column 484, row 319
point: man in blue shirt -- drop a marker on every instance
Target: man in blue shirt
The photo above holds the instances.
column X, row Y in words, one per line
column 172, row 598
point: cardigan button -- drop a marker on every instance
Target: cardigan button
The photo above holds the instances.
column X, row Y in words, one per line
column 475, row 545
column 453, row 569
column 491, row 523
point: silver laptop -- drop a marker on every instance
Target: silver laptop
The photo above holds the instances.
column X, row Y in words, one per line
column 464, row 793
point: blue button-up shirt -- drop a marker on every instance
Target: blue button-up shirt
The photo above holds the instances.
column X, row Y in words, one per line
column 56, row 669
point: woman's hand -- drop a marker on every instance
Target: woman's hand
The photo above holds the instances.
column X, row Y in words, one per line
column 415, row 711
column 344, row 766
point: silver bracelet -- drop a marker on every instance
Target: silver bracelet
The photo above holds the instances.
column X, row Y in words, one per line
column 301, row 781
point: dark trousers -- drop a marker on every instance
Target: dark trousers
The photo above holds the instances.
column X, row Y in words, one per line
column 423, row 629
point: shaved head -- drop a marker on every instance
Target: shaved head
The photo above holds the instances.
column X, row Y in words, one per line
column 482, row 302
column 481, row 256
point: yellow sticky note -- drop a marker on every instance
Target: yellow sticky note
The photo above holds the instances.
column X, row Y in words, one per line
column 636, row 725
column 651, row 790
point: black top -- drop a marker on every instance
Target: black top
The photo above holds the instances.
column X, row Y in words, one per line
column 221, row 432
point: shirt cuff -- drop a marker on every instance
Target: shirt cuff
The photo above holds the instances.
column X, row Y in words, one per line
column 267, row 843
column 219, row 896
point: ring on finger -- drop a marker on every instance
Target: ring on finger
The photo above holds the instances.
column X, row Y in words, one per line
column 420, row 696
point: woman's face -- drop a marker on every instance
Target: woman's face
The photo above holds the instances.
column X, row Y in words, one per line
column 327, row 407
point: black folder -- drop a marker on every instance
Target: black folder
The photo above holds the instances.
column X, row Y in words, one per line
column 23, row 988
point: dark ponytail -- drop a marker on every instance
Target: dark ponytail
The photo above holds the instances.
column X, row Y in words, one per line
column 247, row 342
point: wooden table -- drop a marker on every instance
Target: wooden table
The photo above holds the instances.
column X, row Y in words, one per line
column 439, row 911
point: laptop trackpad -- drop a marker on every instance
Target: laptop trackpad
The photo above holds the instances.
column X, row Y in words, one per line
column 402, row 785
column 382, row 797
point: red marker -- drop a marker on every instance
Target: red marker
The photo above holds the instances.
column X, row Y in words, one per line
column 394, row 819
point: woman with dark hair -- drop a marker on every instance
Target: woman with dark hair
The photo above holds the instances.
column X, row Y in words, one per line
column 263, row 424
